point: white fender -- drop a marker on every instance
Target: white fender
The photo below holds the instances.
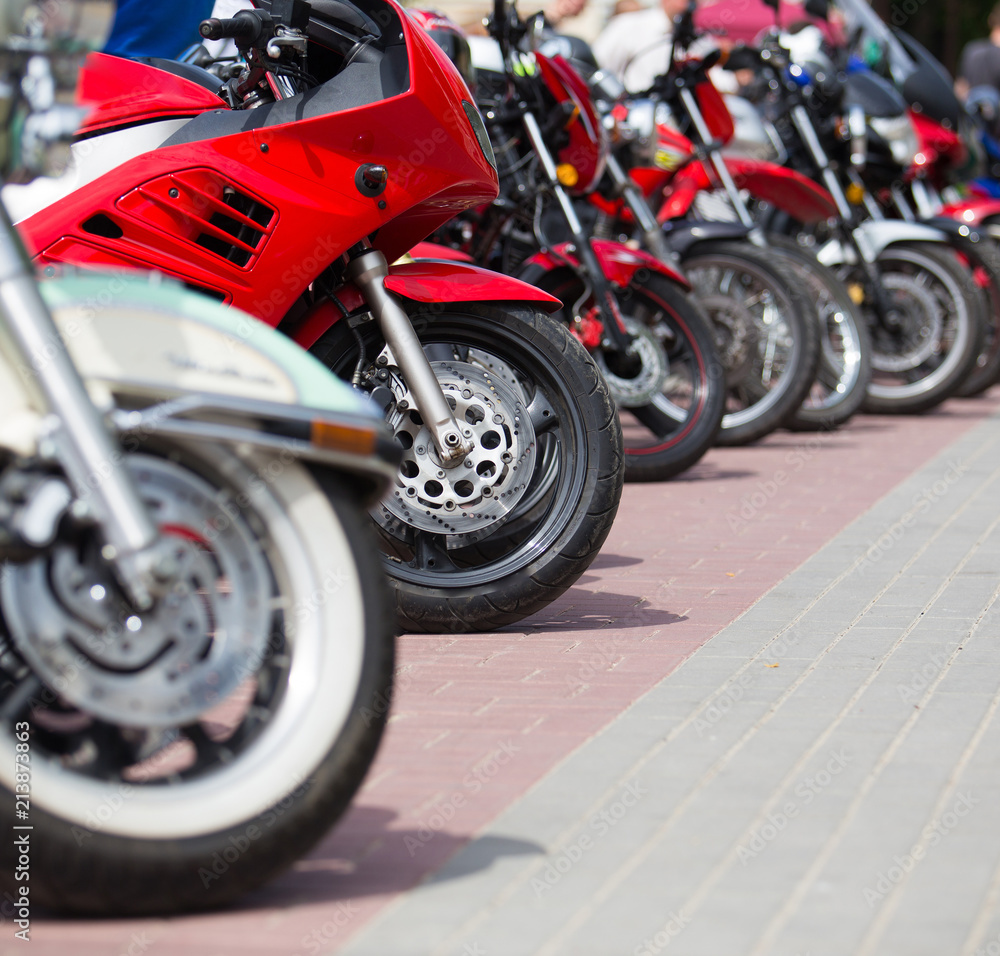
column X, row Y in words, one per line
column 875, row 236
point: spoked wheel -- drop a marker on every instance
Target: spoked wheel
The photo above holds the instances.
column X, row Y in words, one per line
column 765, row 333
column 670, row 390
column 845, row 345
column 506, row 531
column 928, row 342
column 155, row 736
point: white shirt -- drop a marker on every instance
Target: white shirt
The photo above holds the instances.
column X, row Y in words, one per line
column 635, row 47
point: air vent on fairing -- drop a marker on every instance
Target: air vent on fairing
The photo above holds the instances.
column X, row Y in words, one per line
column 206, row 209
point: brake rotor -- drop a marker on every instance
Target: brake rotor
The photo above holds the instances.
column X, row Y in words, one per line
column 917, row 335
column 158, row 668
column 470, row 498
column 640, row 389
column 736, row 335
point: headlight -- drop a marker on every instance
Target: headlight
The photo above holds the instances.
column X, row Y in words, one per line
column 899, row 134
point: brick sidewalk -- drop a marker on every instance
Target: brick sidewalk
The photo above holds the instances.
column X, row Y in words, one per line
column 487, row 726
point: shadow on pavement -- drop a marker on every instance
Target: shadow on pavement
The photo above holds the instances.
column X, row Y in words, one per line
column 363, row 857
column 582, row 610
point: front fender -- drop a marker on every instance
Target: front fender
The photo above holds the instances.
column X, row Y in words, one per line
column 684, row 235
column 619, row 263
column 193, row 369
column 432, row 280
column 875, row 236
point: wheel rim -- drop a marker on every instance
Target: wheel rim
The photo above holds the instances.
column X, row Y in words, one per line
column 741, row 299
column 476, row 553
column 937, row 346
column 184, row 781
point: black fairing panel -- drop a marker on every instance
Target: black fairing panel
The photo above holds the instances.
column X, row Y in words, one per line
column 876, row 96
column 360, row 84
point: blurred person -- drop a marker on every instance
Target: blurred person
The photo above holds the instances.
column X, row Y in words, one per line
column 980, row 61
column 635, row 47
column 156, row 29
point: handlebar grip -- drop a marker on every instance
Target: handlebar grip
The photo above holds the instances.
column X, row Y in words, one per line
column 245, row 28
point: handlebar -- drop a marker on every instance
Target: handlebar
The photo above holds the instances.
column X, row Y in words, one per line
column 246, row 28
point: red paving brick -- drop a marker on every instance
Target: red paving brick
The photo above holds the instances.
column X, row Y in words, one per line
column 684, row 559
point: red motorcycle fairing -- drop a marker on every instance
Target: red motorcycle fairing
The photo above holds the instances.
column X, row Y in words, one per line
column 618, row 262
column 939, row 147
column 972, row 210
column 586, row 149
column 431, row 281
column 250, row 206
column 785, row 189
column 122, row 92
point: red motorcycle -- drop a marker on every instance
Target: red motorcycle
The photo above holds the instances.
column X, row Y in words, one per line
column 287, row 191
column 652, row 343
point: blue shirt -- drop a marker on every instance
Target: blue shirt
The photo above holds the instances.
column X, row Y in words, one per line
column 148, row 28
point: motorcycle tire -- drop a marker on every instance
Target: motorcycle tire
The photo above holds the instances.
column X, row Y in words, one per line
column 757, row 305
column 984, row 258
column 671, row 407
column 153, row 811
column 937, row 301
column 512, row 527
column 845, row 363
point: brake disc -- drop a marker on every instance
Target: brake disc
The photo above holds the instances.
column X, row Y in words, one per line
column 472, row 497
column 166, row 666
column 642, row 388
column 920, row 326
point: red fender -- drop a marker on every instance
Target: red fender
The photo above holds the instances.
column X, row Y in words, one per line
column 432, row 281
column 432, row 250
column 618, row 262
column 785, row 189
column 972, row 210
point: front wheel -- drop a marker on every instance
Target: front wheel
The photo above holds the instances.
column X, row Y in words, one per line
column 928, row 341
column 767, row 337
column 176, row 758
column 484, row 544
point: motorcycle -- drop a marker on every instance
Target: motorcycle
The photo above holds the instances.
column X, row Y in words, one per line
column 703, row 226
column 291, row 190
column 925, row 311
column 651, row 342
column 189, row 595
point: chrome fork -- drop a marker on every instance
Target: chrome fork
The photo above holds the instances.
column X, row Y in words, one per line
column 76, row 435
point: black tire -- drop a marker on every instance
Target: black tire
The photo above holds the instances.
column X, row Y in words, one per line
column 670, row 420
column 984, row 257
column 248, row 805
column 722, row 273
column 473, row 573
column 845, row 362
column 923, row 360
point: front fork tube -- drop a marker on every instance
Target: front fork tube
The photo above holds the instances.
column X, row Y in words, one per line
column 718, row 161
column 806, row 130
column 618, row 338
column 368, row 272
column 652, row 234
column 81, row 444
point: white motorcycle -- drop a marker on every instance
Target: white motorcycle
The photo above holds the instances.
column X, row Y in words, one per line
column 195, row 645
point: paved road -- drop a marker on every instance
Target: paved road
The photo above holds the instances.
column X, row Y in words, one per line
column 763, row 723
